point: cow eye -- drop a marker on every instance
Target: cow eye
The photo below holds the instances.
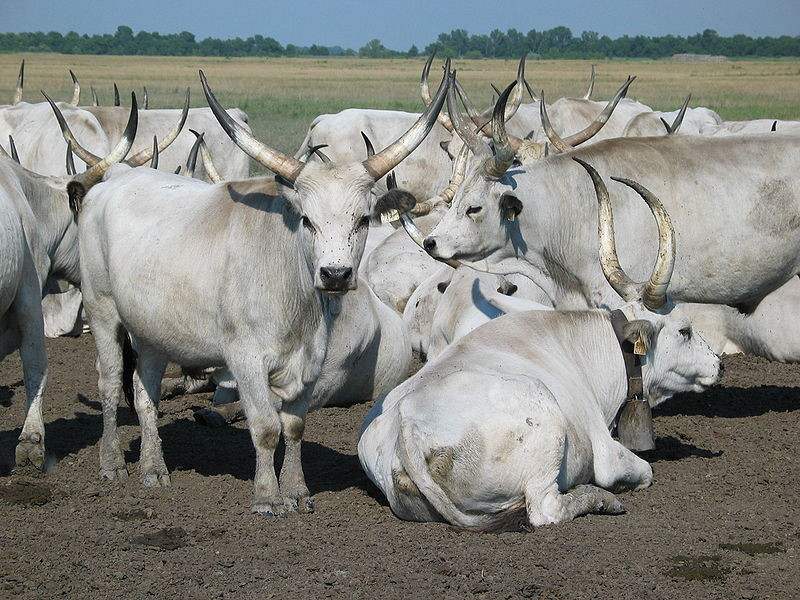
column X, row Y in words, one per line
column 474, row 210
column 686, row 332
column 307, row 224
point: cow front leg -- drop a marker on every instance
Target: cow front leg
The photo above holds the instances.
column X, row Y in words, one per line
column 153, row 470
column 293, row 482
column 261, row 408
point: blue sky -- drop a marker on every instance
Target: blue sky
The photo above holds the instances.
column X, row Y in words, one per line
column 351, row 23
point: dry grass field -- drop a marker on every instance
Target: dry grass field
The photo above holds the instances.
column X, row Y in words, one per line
column 282, row 95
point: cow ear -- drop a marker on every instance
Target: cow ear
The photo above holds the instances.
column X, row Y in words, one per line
column 641, row 333
column 510, row 206
column 76, row 192
column 393, row 202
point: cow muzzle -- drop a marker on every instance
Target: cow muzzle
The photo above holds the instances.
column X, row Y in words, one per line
column 336, row 279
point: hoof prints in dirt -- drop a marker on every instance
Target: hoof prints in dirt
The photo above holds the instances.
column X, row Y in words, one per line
column 170, row 538
column 24, row 492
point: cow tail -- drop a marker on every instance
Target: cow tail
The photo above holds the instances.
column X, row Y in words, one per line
column 129, row 358
column 416, row 466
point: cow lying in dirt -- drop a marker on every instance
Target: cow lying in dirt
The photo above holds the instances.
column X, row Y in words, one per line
column 514, row 419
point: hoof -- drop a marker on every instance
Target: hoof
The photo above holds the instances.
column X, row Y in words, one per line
column 155, row 480
column 302, row 505
column 30, row 452
column 209, row 417
column 119, row 474
column 270, row 509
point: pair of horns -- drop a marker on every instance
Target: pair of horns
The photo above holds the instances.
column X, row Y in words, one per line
column 653, row 292
column 137, row 159
column 479, row 118
column 98, row 165
column 289, row 168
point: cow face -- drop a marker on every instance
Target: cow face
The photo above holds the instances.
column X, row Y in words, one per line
column 482, row 221
column 336, row 206
column 677, row 358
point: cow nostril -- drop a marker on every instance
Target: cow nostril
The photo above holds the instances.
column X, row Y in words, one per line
column 335, row 274
column 429, row 244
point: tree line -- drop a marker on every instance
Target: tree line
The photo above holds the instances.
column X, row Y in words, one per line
column 558, row 42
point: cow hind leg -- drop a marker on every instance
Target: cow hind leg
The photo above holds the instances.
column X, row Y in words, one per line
column 108, row 337
column 147, row 392
column 552, row 506
column 28, row 311
column 293, row 483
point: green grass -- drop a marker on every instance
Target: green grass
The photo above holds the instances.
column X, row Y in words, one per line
column 282, row 95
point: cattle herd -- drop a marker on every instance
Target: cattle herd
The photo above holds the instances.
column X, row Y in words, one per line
column 484, row 240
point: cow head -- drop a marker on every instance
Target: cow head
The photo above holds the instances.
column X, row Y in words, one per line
column 482, row 219
column 334, row 201
column 676, row 358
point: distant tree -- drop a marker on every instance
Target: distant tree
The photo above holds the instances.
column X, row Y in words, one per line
column 413, row 51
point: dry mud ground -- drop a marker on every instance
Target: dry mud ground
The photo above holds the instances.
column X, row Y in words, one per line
column 721, row 521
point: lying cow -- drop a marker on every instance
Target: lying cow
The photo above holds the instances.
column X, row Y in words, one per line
column 516, row 416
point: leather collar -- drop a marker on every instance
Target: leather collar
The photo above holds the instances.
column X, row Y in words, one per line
column 633, row 362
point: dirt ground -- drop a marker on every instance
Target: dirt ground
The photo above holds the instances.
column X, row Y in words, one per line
column 721, row 521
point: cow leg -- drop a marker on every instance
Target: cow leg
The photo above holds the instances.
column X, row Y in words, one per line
column 550, row 506
column 226, row 409
column 108, row 337
column 147, row 392
column 293, row 481
column 28, row 310
column 261, row 408
column 616, row 467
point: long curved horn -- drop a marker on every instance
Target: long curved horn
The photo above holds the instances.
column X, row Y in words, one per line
column 654, row 294
column 20, row 80
column 388, row 158
column 191, row 162
column 411, row 228
column 533, row 96
column 83, row 153
column 483, row 119
column 503, row 158
column 588, row 94
column 368, row 144
column 70, row 162
column 596, row 125
column 116, row 95
column 76, row 91
column 145, row 98
column 425, row 92
column 463, row 129
column 609, row 261
column 457, row 175
column 95, row 174
column 676, row 124
column 208, row 163
column 554, row 138
column 143, row 156
column 448, row 193
column 12, row 147
column 277, row 162
column 318, row 151
column 154, row 159
column 95, row 102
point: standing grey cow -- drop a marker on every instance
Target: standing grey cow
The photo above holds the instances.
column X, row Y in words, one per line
column 515, row 418
column 40, row 240
column 277, row 254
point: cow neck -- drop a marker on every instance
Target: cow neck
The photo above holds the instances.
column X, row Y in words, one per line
column 633, row 362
